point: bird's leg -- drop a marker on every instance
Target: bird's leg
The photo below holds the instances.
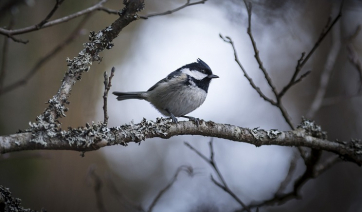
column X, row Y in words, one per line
column 174, row 119
column 196, row 120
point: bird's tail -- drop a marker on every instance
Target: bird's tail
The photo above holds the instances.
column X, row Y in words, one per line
column 129, row 95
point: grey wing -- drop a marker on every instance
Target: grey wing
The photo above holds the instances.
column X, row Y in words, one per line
column 170, row 76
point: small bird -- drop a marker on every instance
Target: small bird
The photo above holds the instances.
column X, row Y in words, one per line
column 180, row 93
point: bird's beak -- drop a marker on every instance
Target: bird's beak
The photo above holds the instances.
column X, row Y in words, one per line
column 213, row 76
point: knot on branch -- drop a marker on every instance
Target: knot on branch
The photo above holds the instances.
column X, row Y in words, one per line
column 312, row 129
column 260, row 134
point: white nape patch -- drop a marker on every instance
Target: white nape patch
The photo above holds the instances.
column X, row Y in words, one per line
column 195, row 74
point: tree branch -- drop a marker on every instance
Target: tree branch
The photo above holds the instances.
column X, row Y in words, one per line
column 107, row 86
column 256, row 88
column 80, row 64
column 95, row 136
column 248, row 6
column 10, row 33
column 187, row 4
column 57, row 4
column 303, row 60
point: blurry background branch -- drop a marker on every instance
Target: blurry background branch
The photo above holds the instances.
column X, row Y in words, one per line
column 188, row 169
column 45, row 23
column 99, row 6
column 46, row 58
column 187, row 4
column 223, row 185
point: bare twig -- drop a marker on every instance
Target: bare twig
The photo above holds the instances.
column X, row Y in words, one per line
column 187, row 4
column 107, row 86
column 324, row 79
column 248, row 6
column 97, row 188
column 109, row 11
column 188, row 169
column 256, row 88
column 10, row 33
column 57, row 4
column 310, row 161
column 277, row 102
column 75, row 33
column 223, row 185
column 80, row 64
column 303, row 60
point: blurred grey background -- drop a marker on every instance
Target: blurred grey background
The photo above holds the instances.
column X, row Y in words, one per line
column 145, row 52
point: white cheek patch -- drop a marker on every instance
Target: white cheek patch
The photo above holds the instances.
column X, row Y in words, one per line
column 195, row 74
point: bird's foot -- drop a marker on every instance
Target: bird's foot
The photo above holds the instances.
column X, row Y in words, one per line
column 173, row 118
column 196, row 120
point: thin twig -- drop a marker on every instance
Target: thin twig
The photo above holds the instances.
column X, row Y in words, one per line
column 212, row 163
column 56, row 6
column 291, row 82
column 109, row 11
column 303, row 60
column 325, row 76
column 10, row 33
column 277, row 102
column 47, row 57
column 248, row 6
column 107, row 86
column 187, row 169
column 187, row 4
column 256, row 88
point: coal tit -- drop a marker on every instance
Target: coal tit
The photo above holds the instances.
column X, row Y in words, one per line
column 180, row 93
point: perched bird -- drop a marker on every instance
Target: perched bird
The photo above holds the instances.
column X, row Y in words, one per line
column 180, row 93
